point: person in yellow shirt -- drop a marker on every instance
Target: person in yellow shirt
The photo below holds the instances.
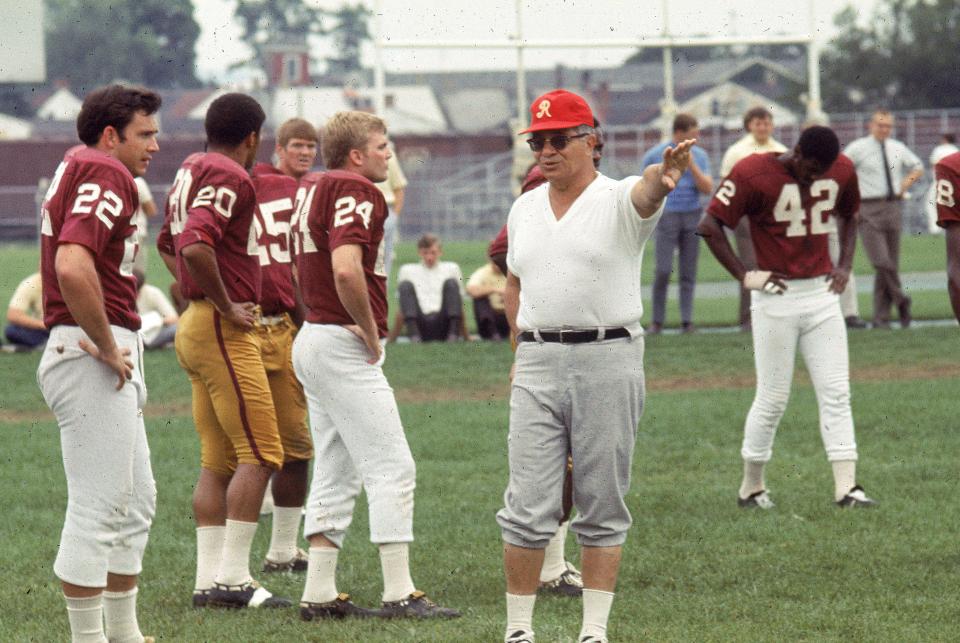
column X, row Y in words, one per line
column 486, row 286
column 25, row 329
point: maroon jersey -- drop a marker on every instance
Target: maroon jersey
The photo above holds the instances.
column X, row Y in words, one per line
column 90, row 202
column 788, row 223
column 334, row 209
column 275, row 196
column 948, row 189
column 212, row 201
column 534, row 179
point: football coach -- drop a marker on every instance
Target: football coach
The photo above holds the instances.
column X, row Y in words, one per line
column 573, row 301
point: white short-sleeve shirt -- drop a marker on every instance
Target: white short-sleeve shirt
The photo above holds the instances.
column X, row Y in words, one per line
column 582, row 271
column 428, row 282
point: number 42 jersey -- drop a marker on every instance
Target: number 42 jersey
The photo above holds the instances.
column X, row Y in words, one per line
column 789, row 222
column 334, row 209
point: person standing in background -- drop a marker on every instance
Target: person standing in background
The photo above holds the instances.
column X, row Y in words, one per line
column 886, row 169
column 678, row 229
column 393, row 189
column 25, row 328
column 758, row 121
column 147, row 210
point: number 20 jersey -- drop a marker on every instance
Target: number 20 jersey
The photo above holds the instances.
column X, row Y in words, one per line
column 789, row 223
column 90, row 202
column 334, row 209
column 212, row 201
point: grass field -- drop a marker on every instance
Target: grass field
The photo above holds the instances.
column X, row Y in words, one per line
column 920, row 253
column 696, row 568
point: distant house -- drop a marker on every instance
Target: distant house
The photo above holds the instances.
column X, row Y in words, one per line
column 410, row 109
column 60, row 104
column 13, row 128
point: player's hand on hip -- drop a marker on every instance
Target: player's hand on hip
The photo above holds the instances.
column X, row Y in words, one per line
column 838, row 280
column 242, row 314
column 766, row 281
column 372, row 342
column 676, row 160
column 115, row 359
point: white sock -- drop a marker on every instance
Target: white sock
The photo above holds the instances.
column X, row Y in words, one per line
column 235, row 559
column 596, row 611
column 395, row 561
column 209, row 550
column 321, row 584
column 283, row 535
column 554, row 563
column 520, row 612
column 120, row 615
column 86, row 619
column 844, row 477
column 752, row 478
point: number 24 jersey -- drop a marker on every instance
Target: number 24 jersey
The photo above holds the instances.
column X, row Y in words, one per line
column 334, row 209
column 789, row 223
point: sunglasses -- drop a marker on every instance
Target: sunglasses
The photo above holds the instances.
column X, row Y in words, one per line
column 558, row 142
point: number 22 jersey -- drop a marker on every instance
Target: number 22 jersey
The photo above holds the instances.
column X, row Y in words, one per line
column 789, row 223
column 90, row 202
column 334, row 209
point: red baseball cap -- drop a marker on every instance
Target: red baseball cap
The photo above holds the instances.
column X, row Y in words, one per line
column 558, row 109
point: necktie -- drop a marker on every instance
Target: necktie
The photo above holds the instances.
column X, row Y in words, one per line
column 886, row 171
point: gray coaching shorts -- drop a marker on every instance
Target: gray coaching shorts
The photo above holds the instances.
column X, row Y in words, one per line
column 578, row 399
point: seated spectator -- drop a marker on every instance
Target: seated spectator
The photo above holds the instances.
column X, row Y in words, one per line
column 25, row 329
column 431, row 296
column 486, row 286
column 158, row 317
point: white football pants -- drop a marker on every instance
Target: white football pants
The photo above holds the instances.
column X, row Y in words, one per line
column 358, row 439
column 808, row 315
column 111, row 495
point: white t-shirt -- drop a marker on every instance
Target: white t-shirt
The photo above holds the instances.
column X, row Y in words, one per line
column 745, row 147
column 428, row 282
column 140, row 217
column 582, row 271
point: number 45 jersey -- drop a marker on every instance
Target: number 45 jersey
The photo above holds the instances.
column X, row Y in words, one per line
column 276, row 193
column 212, row 201
column 90, row 202
column 334, row 209
column 789, row 222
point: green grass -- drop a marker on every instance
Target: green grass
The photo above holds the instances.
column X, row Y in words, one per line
column 695, row 567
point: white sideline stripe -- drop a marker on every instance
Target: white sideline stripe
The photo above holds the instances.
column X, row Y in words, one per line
column 258, row 598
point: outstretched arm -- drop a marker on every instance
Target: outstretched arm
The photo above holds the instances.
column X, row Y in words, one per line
column 660, row 179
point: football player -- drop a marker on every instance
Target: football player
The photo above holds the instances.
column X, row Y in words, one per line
column 210, row 227
column 788, row 200
column 338, row 357
column 94, row 356
column 948, row 217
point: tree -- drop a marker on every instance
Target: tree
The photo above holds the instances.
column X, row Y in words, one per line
column 903, row 58
column 348, row 35
column 266, row 22
column 93, row 42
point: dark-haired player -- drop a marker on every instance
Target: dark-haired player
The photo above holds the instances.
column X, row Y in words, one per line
column 210, row 226
column 94, row 354
column 338, row 357
column 947, row 189
column 791, row 201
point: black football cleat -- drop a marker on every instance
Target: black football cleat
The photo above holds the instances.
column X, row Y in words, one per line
column 856, row 499
column 339, row 608
column 757, row 500
column 416, row 605
column 250, row 594
column 296, row 564
column 200, row 598
column 569, row 583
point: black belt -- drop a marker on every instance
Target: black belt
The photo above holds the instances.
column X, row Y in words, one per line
column 573, row 336
column 878, row 199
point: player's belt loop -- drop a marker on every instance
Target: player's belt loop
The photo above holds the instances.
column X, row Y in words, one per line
column 536, row 336
column 601, row 333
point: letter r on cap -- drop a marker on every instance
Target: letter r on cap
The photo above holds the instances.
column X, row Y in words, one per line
column 544, row 109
